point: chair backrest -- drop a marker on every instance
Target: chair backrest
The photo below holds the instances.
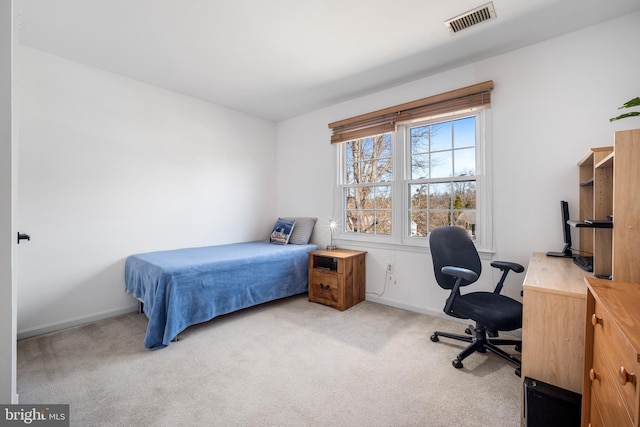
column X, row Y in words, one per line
column 452, row 246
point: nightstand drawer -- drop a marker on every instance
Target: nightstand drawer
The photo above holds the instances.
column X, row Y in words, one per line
column 323, row 287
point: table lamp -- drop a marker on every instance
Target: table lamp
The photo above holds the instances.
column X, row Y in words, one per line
column 332, row 226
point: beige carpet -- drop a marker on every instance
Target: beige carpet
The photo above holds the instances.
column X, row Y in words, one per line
column 285, row 363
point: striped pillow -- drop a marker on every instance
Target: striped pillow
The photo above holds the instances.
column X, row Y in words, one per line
column 302, row 231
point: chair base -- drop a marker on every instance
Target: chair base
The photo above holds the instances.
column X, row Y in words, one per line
column 480, row 343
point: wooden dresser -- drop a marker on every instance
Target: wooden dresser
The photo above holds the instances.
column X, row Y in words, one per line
column 610, row 395
column 337, row 277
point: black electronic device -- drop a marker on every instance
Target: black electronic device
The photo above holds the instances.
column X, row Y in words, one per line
column 566, row 231
column 546, row 405
column 584, row 262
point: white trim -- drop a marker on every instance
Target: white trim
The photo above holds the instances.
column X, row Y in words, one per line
column 485, row 197
column 517, row 333
column 78, row 321
column 413, row 308
column 398, row 247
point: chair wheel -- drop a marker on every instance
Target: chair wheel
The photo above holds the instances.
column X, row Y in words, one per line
column 518, row 372
column 457, row 363
column 434, row 338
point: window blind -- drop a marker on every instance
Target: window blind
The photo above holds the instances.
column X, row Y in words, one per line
column 381, row 121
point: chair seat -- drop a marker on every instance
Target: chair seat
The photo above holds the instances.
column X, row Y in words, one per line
column 494, row 311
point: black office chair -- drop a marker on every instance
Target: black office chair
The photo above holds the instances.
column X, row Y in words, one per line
column 456, row 264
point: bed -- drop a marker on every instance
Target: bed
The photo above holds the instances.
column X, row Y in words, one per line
column 182, row 287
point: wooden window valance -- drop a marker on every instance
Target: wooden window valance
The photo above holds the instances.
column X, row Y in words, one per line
column 381, row 121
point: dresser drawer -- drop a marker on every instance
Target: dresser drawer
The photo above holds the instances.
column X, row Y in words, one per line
column 605, row 392
column 595, row 419
column 619, row 357
column 612, row 354
column 323, row 287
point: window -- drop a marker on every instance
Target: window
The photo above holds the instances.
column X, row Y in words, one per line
column 406, row 170
column 367, row 188
column 442, row 175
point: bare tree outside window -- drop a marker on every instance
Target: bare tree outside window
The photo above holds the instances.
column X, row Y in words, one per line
column 367, row 190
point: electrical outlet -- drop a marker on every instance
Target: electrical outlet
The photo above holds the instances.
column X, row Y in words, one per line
column 389, row 268
column 390, row 272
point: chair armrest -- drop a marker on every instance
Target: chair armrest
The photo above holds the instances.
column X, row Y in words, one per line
column 463, row 273
column 505, row 265
column 460, row 274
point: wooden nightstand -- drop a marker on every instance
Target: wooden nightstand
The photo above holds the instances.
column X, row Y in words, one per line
column 337, row 277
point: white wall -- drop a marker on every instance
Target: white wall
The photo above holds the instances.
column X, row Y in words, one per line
column 551, row 103
column 8, row 132
column 110, row 167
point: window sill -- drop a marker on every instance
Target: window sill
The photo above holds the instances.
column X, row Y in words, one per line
column 398, row 247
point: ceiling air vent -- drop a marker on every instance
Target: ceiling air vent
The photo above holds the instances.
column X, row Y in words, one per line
column 483, row 13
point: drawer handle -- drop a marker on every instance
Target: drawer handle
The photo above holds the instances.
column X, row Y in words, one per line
column 593, row 375
column 626, row 377
column 595, row 320
column 324, row 287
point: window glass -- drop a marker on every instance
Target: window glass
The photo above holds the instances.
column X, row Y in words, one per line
column 441, row 154
column 441, row 164
column 464, row 162
column 367, row 195
column 465, row 132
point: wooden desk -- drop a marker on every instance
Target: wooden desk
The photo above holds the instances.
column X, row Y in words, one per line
column 553, row 321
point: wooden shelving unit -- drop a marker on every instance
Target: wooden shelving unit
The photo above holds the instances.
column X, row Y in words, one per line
column 591, row 184
column 609, row 178
column 626, row 207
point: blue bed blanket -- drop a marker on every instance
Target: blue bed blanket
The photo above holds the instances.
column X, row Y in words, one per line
column 182, row 287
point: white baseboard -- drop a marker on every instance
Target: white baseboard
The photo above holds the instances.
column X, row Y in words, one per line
column 440, row 314
column 408, row 307
column 57, row 326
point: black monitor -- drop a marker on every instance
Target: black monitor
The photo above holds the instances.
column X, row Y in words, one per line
column 566, row 230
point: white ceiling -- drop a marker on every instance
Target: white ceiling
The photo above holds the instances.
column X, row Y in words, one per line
column 280, row 58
